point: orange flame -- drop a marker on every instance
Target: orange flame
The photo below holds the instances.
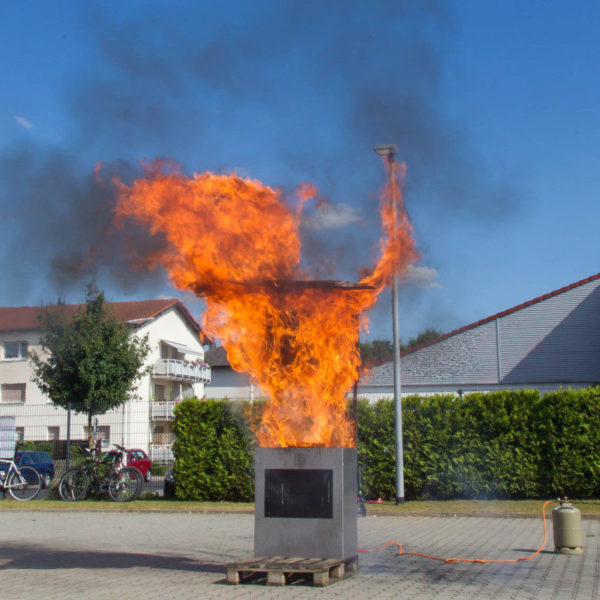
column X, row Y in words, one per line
column 397, row 246
column 236, row 242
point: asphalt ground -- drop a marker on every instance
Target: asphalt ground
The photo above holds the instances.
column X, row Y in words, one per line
column 128, row 556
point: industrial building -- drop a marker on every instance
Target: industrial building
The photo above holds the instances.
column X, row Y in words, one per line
column 548, row 343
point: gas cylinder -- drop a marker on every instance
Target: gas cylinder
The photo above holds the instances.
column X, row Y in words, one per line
column 566, row 525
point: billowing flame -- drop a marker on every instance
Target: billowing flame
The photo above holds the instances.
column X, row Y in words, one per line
column 236, row 242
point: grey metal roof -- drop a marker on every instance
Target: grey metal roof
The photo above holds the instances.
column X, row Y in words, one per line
column 216, row 357
column 553, row 338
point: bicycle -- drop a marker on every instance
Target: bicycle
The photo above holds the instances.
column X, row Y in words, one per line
column 122, row 484
column 22, row 483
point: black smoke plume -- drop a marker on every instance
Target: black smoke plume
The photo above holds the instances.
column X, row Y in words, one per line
column 300, row 90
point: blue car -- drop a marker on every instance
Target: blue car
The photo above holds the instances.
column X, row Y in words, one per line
column 38, row 459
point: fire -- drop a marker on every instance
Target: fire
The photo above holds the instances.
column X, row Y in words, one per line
column 236, row 242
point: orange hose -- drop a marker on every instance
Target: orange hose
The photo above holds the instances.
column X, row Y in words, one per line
column 470, row 560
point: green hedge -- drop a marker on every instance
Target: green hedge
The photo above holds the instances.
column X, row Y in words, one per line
column 158, row 469
column 496, row 445
column 29, row 445
column 510, row 444
column 571, row 443
column 213, row 458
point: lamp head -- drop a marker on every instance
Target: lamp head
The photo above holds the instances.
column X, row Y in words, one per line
column 386, row 150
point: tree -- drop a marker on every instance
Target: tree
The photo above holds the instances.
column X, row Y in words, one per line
column 423, row 337
column 380, row 351
column 376, row 352
column 92, row 361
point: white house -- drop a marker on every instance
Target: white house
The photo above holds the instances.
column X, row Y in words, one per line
column 548, row 343
column 177, row 370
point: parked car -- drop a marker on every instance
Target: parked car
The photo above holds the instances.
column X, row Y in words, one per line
column 135, row 458
column 38, row 459
column 169, row 485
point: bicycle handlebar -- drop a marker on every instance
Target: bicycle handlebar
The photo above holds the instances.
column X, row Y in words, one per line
column 91, row 452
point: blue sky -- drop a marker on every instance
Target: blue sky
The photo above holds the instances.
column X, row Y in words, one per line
column 493, row 105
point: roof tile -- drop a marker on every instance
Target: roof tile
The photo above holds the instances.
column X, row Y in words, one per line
column 24, row 318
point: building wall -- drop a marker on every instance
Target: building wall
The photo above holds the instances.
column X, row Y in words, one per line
column 227, row 383
column 556, row 340
column 170, row 326
column 19, row 370
column 374, row 393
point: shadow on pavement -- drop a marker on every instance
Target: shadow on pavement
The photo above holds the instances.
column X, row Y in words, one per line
column 22, row 556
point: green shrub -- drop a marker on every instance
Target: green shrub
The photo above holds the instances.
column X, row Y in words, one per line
column 376, row 449
column 77, row 457
column 29, row 445
column 571, row 442
column 213, row 458
column 159, row 470
column 52, row 493
column 506, row 444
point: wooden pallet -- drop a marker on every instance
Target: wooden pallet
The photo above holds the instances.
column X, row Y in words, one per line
column 280, row 569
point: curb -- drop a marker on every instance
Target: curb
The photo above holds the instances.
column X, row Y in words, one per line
column 210, row 511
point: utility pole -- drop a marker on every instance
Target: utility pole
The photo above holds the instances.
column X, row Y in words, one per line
column 68, row 465
column 389, row 152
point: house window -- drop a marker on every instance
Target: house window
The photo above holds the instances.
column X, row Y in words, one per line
column 19, row 434
column 167, row 351
column 13, row 393
column 159, row 391
column 15, row 350
column 53, row 434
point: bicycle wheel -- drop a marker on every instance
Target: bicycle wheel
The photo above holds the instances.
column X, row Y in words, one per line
column 125, row 485
column 25, row 486
column 74, row 485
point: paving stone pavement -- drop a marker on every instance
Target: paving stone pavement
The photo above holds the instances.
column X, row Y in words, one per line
column 147, row 556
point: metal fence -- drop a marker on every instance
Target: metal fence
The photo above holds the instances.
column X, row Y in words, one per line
column 154, row 485
column 135, row 425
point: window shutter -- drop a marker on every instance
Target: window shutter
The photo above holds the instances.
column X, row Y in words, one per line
column 13, row 392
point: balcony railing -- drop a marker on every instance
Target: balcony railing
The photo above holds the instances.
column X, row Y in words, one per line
column 163, row 455
column 181, row 370
column 166, row 438
column 162, row 410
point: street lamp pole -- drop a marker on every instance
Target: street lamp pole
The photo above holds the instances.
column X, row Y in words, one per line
column 389, row 152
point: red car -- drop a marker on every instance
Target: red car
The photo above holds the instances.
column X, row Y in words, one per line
column 135, row 458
